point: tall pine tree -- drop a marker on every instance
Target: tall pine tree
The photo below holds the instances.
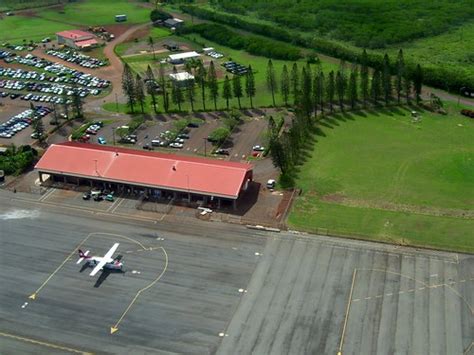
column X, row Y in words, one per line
column 202, row 82
column 340, row 88
column 353, row 87
column 294, row 82
column 330, row 90
column 400, row 74
column 227, row 91
column 285, row 84
column 376, row 87
column 164, row 91
column 128, row 86
column 418, row 83
column 306, row 102
column 191, row 93
column 140, row 92
column 271, row 80
column 386, row 79
column 250, row 85
column 151, row 87
column 237, row 88
column 364, row 78
column 212, row 83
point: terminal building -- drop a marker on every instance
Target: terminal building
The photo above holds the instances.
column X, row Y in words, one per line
column 154, row 174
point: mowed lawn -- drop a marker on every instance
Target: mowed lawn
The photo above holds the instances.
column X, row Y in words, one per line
column 378, row 175
column 46, row 22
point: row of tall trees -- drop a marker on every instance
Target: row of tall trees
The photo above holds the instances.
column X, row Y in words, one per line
column 308, row 86
column 320, row 92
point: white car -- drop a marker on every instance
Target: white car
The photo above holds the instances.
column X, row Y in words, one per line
column 176, row 145
column 258, row 148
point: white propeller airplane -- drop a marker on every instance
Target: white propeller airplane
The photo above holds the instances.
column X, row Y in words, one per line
column 102, row 262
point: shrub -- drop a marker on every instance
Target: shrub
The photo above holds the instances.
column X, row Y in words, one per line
column 219, row 135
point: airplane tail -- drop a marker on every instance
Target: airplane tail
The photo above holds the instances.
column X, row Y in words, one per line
column 82, row 256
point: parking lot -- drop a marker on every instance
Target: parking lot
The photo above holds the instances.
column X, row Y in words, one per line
column 238, row 146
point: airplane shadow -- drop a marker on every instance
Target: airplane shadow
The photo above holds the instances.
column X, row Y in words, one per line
column 105, row 274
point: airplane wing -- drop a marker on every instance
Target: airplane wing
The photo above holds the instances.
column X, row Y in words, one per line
column 107, row 257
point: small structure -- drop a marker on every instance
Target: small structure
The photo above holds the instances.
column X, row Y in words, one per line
column 171, row 46
column 182, row 78
column 173, row 23
column 180, row 58
column 120, row 18
column 77, row 39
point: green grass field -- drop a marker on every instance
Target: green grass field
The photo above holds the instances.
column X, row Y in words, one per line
column 81, row 14
column 380, row 176
column 259, row 64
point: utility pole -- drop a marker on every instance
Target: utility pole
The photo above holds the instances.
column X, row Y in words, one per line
column 116, row 102
column 205, row 146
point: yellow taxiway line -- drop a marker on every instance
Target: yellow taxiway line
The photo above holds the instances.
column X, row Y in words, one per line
column 114, row 328
column 347, row 312
column 42, row 343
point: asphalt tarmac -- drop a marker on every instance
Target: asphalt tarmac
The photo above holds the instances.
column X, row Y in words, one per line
column 220, row 288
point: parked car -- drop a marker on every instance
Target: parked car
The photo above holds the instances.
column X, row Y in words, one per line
column 176, row 145
column 101, row 140
column 258, row 148
column 222, row 151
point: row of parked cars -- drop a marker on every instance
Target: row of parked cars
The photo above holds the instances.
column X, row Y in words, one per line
column 168, row 139
column 61, row 72
column 22, row 120
column 215, row 55
column 72, row 56
column 37, row 83
column 235, row 68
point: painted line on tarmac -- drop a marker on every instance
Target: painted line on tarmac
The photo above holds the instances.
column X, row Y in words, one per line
column 45, row 344
column 426, row 287
column 115, row 328
column 349, row 302
column 47, row 194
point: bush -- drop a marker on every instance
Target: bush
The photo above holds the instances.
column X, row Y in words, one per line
column 16, row 161
column 219, row 135
column 159, row 15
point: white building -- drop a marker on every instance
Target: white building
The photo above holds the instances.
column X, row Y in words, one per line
column 181, row 78
column 180, row 58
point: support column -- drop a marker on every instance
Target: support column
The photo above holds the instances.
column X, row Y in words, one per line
column 189, row 197
column 41, row 177
column 219, row 203
column 234, row 204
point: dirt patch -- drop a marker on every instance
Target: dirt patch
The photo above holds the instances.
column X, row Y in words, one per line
column 117, row 29
column 138, row 34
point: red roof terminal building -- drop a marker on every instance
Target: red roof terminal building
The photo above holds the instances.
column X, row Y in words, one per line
column 153, row 174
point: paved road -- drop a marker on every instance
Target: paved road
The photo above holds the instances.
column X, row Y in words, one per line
column 297, row 288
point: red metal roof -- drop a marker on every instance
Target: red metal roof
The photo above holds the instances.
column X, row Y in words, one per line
column 160, row 170
column 85, row 43
column 76, row 35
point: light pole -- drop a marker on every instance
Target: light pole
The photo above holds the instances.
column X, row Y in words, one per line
column 116, row 103
column 205, row 146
